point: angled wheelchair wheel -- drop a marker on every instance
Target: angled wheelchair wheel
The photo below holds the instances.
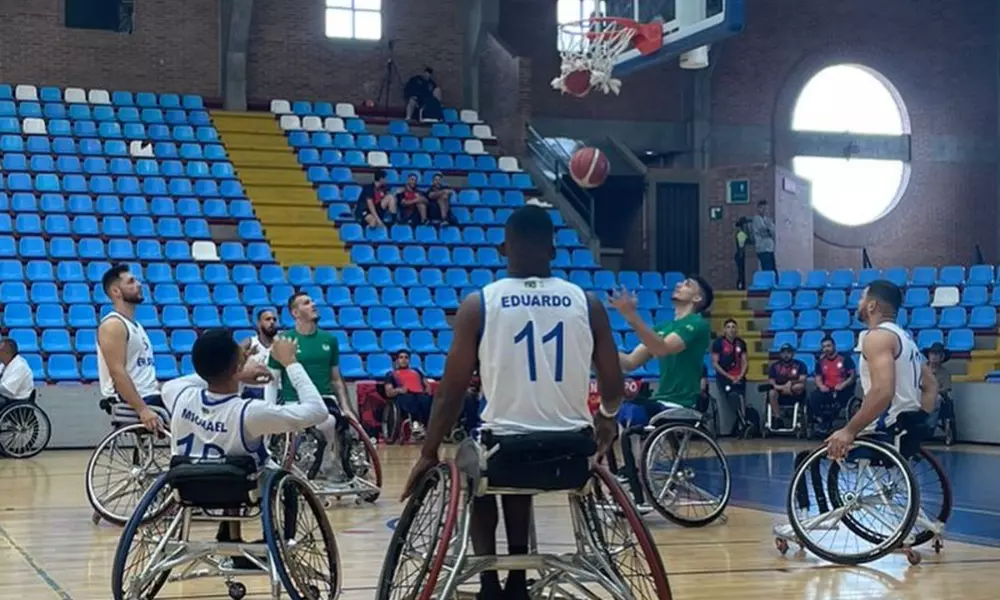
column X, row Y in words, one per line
column 364, row 461
column 873, row 503
column 685, row 474
column 419, row 545
column 392, row 421
column 300, row 538
column 137, row 571
column 25, row 429
column 617, row 532
column 121, row 468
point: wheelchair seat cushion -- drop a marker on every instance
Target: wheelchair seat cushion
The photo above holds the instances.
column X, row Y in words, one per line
column 213, row 483
column 544, row 461
column 675, row 413
column 123, row 414
column 913, row 427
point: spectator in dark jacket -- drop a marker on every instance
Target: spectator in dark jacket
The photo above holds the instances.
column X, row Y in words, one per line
column 409, row 389
column 423, row 96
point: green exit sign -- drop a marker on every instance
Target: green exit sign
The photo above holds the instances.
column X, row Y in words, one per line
column 738, row 191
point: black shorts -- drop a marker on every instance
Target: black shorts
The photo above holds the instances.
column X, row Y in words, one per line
column 547, row 460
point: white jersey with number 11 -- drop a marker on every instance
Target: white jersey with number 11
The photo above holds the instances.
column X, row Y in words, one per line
column 535, row 354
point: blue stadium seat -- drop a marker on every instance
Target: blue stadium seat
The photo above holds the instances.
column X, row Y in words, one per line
column 762, row 281
column 951, row 275
column 866, row 276
column 811, row 341
column 841, row 279
column 815, row 280
column 923, row 276
column 784, row 337
column 923, row 317
column 780, row 320
column 974, row 295
column 983, row 317
column 808, row 319
column 393, row 341
column 365, row 340
column 961, row 340
column 953, row 317
column 896, row 275
column 916, row 297
column 789, row 280
column 351, row 367
column 843, row 340
column 981, row 275
column 833, row 298
column 778, row 300
column 63, row 367
column 205, row 317
column 805, row 299
column 50, row 315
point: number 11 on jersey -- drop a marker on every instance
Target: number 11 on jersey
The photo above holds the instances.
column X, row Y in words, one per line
column 527, row 335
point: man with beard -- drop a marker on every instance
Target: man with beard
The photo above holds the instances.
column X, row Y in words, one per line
column 125, row 363
column 899, row 388
column 319, row 355
column 787, row 377
column 834, row 386
column 258, row 350
column 412, row 203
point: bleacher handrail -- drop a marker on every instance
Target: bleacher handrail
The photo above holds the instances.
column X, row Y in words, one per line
column 555, row 158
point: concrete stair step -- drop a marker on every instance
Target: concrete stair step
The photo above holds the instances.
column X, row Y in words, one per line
column 254, row 140
column 282, row 177
column 314, row 257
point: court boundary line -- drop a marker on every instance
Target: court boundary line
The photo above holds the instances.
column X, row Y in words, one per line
column 38, row 569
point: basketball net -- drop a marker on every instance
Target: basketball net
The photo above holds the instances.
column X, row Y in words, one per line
column 591, row 47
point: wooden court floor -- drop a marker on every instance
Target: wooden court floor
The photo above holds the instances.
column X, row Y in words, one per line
column 50, row 549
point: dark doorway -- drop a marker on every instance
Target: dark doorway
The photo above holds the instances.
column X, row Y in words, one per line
column 677, row 227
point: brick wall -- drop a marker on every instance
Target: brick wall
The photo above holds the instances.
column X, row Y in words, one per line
column 175, row 48
column 504, row 92
column 941, row 56
column 529, row 28
column 291, row 57
column 718, row 238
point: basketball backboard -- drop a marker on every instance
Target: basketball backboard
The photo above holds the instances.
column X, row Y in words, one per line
column 689, row 26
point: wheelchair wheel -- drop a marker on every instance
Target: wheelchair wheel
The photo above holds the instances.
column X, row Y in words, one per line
column 419, row 545
column 853, row 405
column 121, row 468
column 619, row 534
column 872, row 492
column 25, row 429
column 300, row 538
column 364, row 460
column 155, row 519
column 935, row 496
column 392, row 421
column 689, row 490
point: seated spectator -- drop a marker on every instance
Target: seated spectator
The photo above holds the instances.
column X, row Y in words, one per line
column 375, row 206
column 410, row 390
column 835, row 378
column 440, row 196
column 412, row 203
column 787, row 377
column 422, row 94
column 16, row 381
column 729, row 358
column 937, row 355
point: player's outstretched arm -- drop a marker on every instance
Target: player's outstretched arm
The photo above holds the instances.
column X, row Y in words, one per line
column 458, row 369
column 879, row 348
column 610, row 381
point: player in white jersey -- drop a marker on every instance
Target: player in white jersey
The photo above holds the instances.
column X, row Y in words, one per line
column 125, row 364
column 535, row 338
column 209, row 419
column 896, row 381
column 258, row 349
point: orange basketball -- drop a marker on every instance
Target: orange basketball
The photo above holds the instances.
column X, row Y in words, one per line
column 589, row 167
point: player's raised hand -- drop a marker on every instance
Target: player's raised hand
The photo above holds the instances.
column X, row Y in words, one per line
column 623, row 301
column 284, row 350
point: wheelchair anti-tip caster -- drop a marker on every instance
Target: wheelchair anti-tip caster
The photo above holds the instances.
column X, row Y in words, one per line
column 912, row 556
column 237, row 590
column 781, row 545
column 95, row 519
column 937, row 545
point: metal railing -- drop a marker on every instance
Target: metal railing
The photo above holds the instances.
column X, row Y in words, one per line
column 553, row 159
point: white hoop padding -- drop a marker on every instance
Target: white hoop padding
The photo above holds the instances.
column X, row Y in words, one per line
column 593, row 45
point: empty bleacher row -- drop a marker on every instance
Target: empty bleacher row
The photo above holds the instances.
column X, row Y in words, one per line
column 948, row 305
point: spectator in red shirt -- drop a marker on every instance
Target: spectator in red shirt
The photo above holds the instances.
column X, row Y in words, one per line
column 787, row 377
column 440, row 196
column 410, row 390
column 835, row 381
column 375, row 206
column 729, row 358
column 412, row 202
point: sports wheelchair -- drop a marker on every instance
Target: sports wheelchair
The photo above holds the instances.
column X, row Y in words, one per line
column 429, row 555
column 887, row 495
column 797, row 411
column 125, row 463
column 25, row 429
column 298, row 552
column 669, row 474
column 358, row 471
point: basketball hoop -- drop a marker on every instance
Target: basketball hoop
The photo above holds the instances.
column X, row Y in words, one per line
column 591, row 46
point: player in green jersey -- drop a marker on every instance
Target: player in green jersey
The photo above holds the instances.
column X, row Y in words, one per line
column 319, row 354
column 680, row 346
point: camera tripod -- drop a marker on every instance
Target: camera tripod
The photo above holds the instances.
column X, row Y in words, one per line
column 390, row 77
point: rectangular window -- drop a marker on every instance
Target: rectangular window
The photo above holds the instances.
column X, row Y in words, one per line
column 106, row 15
column 354, row 19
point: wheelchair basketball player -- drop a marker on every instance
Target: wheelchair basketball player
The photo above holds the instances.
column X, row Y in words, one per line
column 535, row 337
